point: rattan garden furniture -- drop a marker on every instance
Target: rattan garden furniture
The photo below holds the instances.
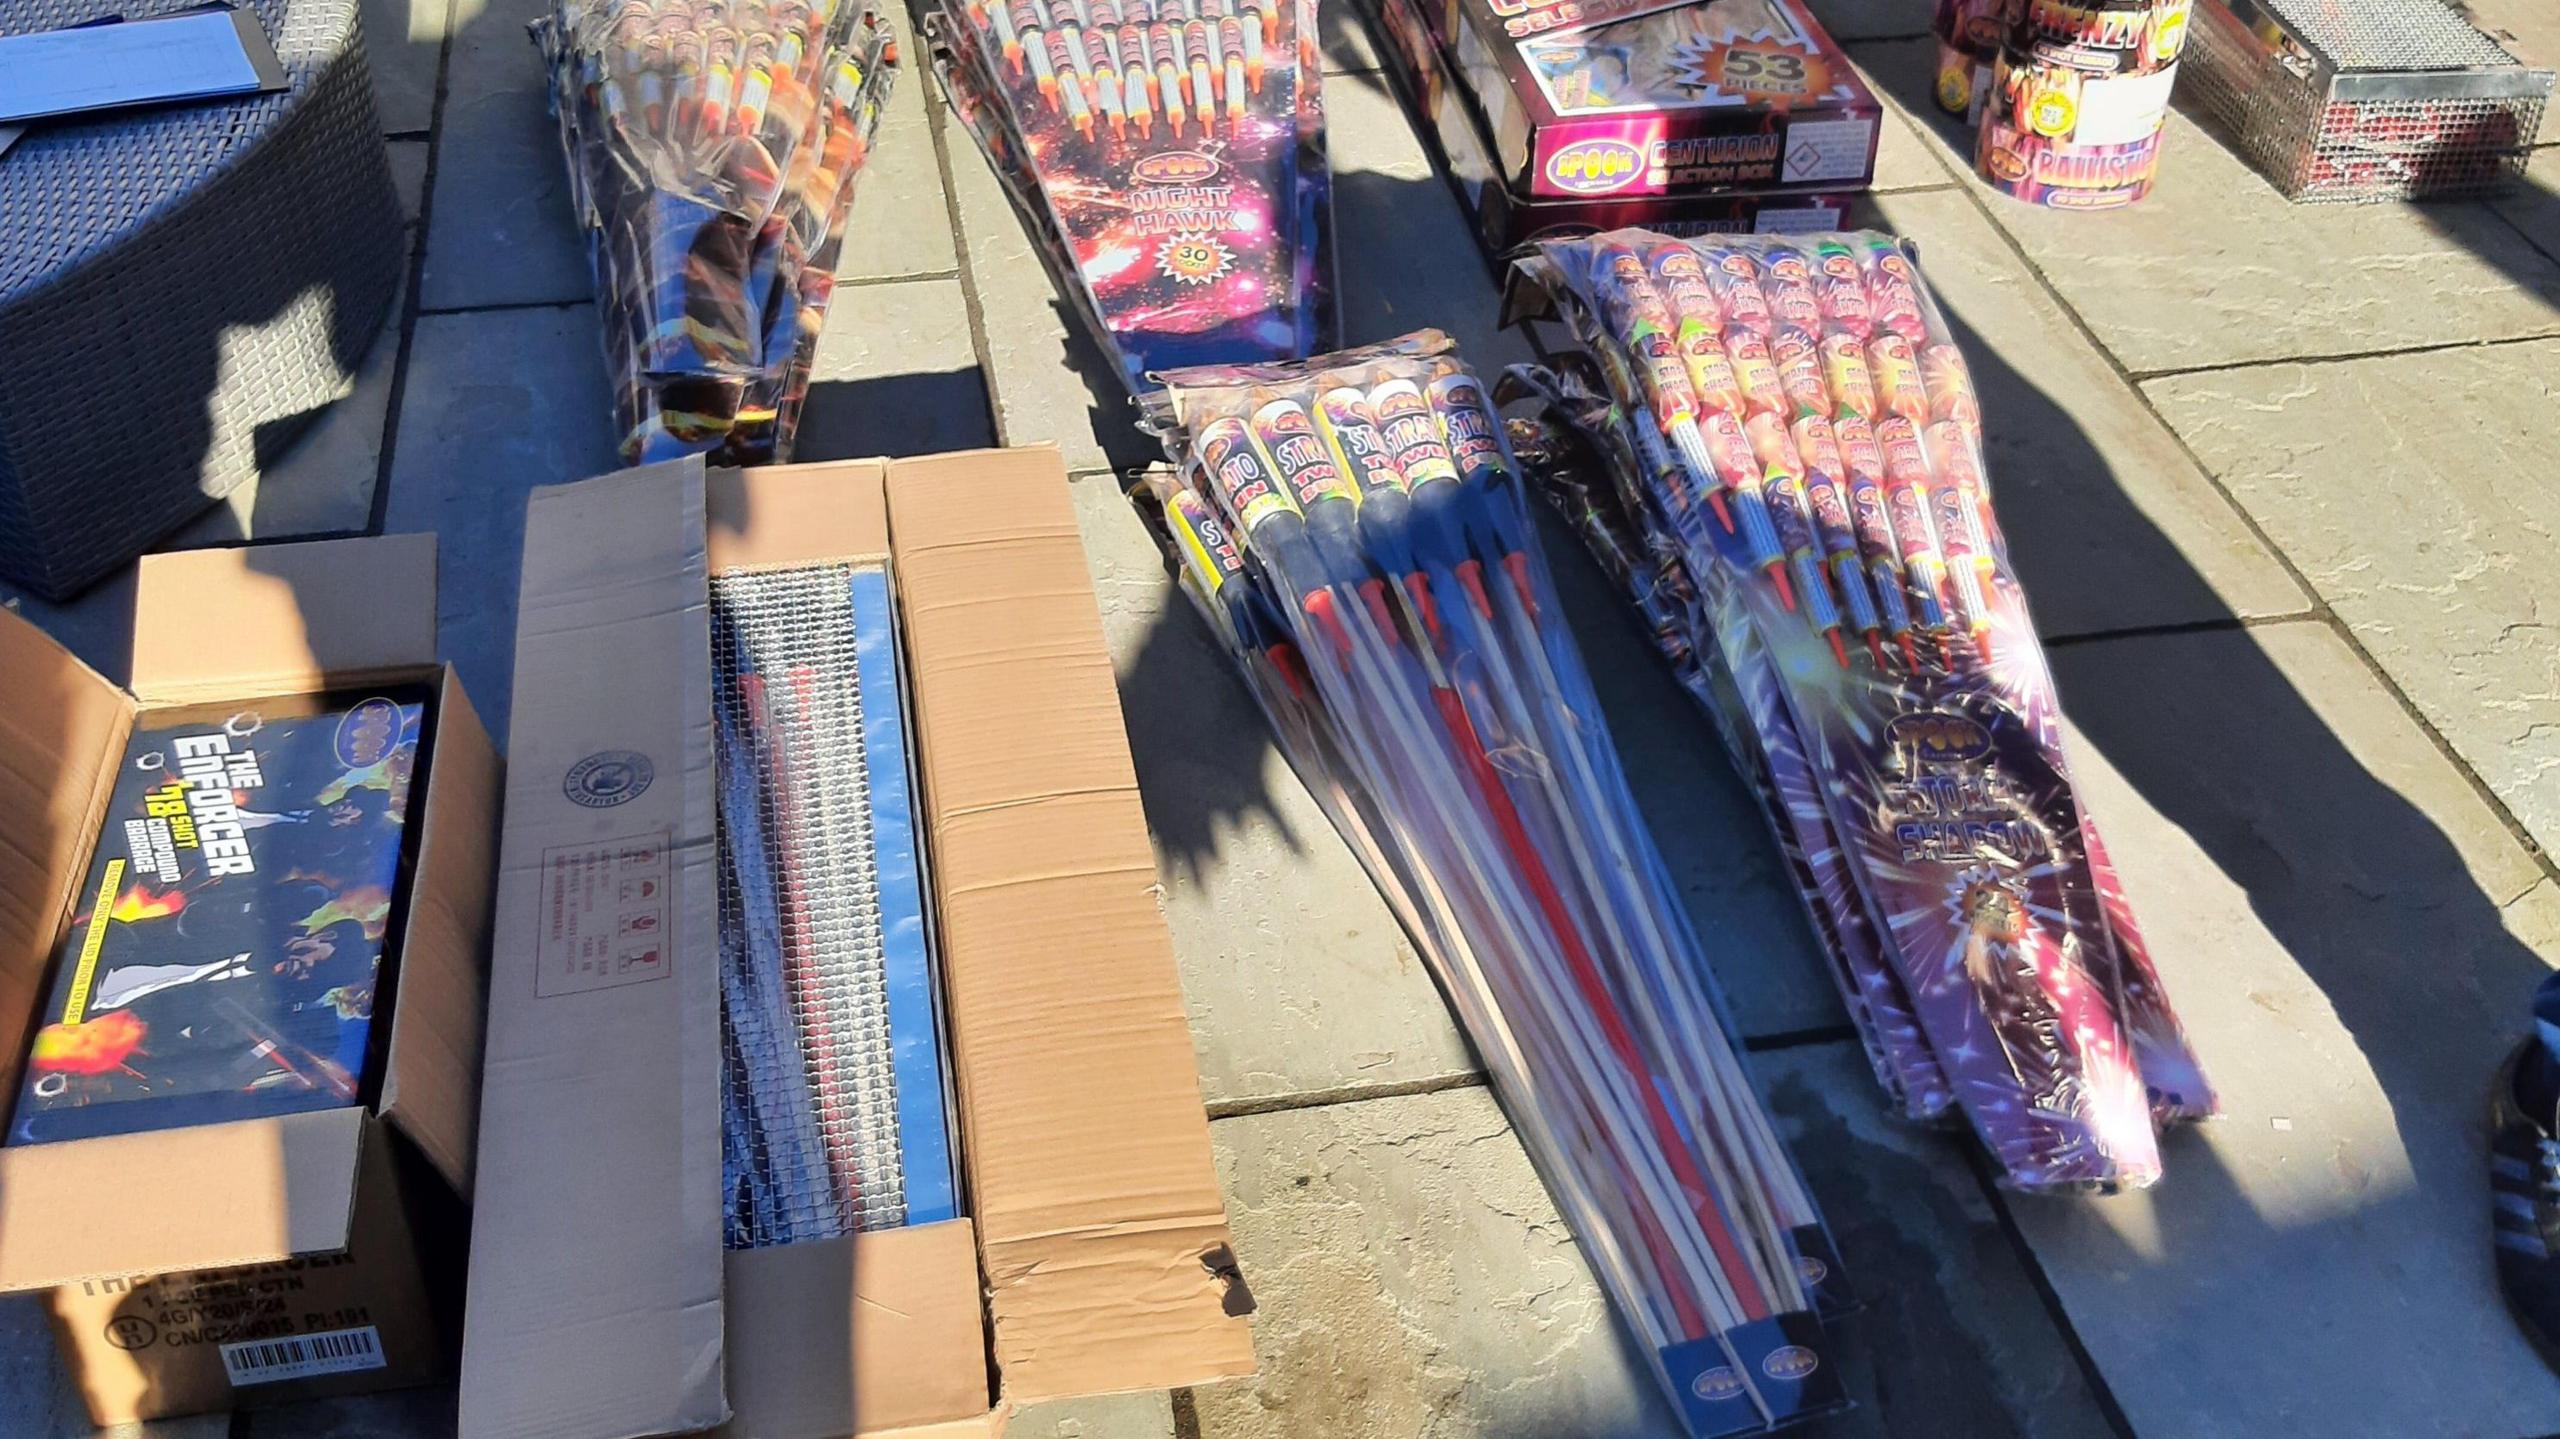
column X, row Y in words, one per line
column 181, row 291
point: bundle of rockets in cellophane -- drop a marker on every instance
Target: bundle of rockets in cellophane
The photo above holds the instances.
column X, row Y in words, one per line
column 713, row 147
column 1169, row 157
column 1796, row 497
column 1355, row 529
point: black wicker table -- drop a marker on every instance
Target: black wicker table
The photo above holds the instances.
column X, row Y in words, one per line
column 181, row 291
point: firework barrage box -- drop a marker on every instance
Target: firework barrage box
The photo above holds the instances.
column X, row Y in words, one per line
column 1506, row 217
column 1635, row 99
column 240, row 1006
column 1090, row 1253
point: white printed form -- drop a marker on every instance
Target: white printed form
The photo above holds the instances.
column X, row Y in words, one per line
column 604, row 914
column 1828, row 150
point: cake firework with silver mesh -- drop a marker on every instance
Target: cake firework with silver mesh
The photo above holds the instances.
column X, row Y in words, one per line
column 833, row 1117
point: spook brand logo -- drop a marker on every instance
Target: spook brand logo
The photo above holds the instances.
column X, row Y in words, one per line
column 1938, row 735
column 1174, row 167
column 1792, row 1361
column 1595, row 167
column 1716, row 1384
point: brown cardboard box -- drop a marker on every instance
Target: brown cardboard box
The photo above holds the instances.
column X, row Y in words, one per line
column 1095, row 1256
column 160, row 1248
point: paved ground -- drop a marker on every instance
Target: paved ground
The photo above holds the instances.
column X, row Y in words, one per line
column 2278, row 479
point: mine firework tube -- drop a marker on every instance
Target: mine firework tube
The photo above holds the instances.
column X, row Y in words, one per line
column 1270, row 12
column 1909, row 504
column 1249, row 35
column 755, row 86
column 1025, row 20
column 1729, row 450
column 1735, row 278
column 1893, row 292
column 1949, row 387
column 1200, row 42
column 1798, row 356
column 1747, row 350
column 1072, row 41
column 1164, row 51
column 1825, row 500
column 719, row 81
column 1787, row 282
column 1104, row 20
column 1852, row 382
column 1106, row 95
column 1862, row 469
column 1897, row 377
column 1782, row 480
column 1037, row 47
column 1842, row 288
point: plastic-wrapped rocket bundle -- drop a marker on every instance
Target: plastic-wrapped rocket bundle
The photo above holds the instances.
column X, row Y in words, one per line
column 713, row 147
column 1169, row 155
column 1355, row 527
column 1799, row 502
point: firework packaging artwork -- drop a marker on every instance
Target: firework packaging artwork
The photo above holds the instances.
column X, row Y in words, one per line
column 2077, row 97
column 1354, row 527
column 1446, row 110
column 1969, row 33
column 223, row 962
column 1169, row 157
column 1818, row 547
column 713, row 148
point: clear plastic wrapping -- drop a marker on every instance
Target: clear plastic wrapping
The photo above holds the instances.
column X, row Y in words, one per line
column 1170, row 158
column 1797, row 497
column 713, row 147
column 1354, row 527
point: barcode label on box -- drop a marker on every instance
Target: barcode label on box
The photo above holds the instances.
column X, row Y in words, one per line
column 272, row 1361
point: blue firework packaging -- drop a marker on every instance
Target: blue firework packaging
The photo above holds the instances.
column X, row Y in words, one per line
column 1794, row 438
column 227, row 949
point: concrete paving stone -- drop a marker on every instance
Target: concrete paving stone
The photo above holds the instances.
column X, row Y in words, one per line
column 895, row 374
column 2216, row 268
column 38, row 1400
column 501, row 231
column 1298, row 979
column 2413, row 492
column 2533, row 204
column 96, row 625
column 401, row 1414
column 2110, row 524
column 1110, row 1416
column 2530, row 29
column 497, row 404
column 1415, row 1279
column 1344, row 35
column 1906, row 159
column 1871, row 19
column 901, row 224
column 409, row 175
column 404, row 47
column 2351, row 936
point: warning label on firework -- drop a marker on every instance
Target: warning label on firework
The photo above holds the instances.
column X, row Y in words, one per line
column 1828, row 150
column 604, row 915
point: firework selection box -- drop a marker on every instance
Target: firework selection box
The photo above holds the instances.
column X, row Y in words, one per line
column 312, row 1253
column 1092, row 1255
column 1535, row 156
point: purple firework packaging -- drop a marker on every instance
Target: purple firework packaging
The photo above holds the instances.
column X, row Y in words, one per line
column 1874, row 670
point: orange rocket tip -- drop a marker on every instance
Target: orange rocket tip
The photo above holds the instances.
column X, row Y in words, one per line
column 1320, row 611
column 1839, row 651
column 1910, row 653
column 1471, row 574
column 1875, row 647
column 1517, row 563
column 1419, row 587
column 1373, row 593
column 1777, row 570
column 1724, row 516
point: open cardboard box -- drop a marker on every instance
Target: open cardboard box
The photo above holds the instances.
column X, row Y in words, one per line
column 1095, row 1255
column 160, row 1248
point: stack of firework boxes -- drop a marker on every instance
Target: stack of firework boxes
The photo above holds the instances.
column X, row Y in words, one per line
column 1559, row 118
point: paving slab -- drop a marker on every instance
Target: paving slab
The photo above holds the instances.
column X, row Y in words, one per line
column 2530, row 29
column 498, row 402
column 901, row 221
column 501, row 231
column 1871, row 19
column 2216, row 268
column 2111, row 526
column 1298, row 979
column 404, row 47
column 403, row 1414
column 37, row 1398
column 1111, row 1416
column 2414, row 493
column 1344, row 35
column 896, row 373
column 2351, row 936
column 1414, row 1279
column 2533, row 205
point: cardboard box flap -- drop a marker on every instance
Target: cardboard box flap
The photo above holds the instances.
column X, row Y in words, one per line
column 786, row 515
column 431, row 1077
column 62, row 732
column 595, row 1288
column 881, row 1327
column 1100, row 1223
column 252, row 1192
column 281, row 619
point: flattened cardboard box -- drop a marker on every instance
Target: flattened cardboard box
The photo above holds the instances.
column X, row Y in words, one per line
column 317, row 1235
column 1094, row 1256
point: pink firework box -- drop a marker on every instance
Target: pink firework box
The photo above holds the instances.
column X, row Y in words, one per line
column 1594, row 99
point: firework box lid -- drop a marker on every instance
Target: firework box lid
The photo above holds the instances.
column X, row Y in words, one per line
column 325, row 1205
column 1093, row 1255
column 1615, row 99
